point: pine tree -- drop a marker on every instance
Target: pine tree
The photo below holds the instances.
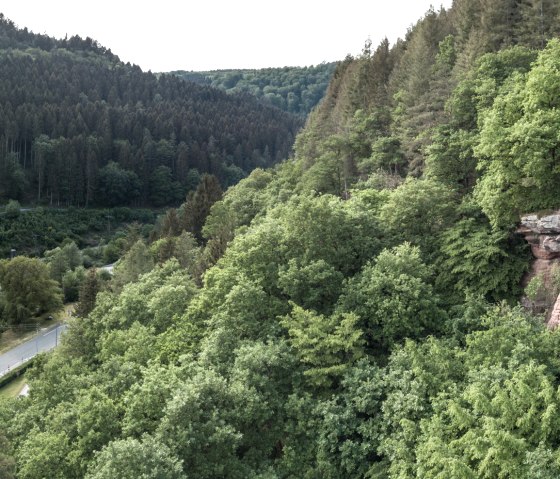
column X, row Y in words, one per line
column 197, row 206
column 538, row 22
column 88, row 293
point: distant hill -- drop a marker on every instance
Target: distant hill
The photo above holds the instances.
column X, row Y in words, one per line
column 293, row 89
column 80, row 127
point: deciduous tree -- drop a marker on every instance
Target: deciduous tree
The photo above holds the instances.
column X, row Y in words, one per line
column 27, row 288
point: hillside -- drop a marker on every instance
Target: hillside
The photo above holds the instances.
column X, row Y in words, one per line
column 79, row 127
column 353, row 312
column 414, row 108
column 296, row 90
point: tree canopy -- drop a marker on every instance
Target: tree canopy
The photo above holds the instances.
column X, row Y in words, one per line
column 27, row 289
column 79, row 127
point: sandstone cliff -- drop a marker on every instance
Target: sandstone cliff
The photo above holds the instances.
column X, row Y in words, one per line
column 542, row 232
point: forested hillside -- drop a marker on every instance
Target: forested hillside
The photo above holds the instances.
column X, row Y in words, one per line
column 79, row 127
column 352, row 312
column 293, row 89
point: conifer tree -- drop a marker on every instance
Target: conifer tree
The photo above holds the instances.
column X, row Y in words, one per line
column 197, row 206
column 88, row 293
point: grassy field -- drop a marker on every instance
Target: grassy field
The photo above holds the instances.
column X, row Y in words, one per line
column 13, row 388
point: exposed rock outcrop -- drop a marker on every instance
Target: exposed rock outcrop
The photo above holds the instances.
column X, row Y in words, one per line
column 554, row 320
column 543, row 235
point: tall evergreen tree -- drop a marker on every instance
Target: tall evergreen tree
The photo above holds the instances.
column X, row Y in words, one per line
column 198, row 204
column 88, row 293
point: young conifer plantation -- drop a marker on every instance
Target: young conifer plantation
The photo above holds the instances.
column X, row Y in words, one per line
column 365, row 309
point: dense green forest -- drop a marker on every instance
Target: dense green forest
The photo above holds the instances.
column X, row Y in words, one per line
column 352, row 312
column 33, row 231
column 293, row 89
column 79, row 127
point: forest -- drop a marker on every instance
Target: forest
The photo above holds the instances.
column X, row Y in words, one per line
column 81, row 128
column 294, row 89
column 355, row 311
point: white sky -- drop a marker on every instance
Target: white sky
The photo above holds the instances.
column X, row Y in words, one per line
column 165, row 35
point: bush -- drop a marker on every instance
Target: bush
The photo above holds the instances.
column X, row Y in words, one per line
column 13, row 209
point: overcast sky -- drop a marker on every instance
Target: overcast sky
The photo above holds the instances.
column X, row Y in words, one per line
column 165, row 35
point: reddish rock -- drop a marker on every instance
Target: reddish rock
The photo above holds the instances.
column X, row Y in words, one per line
column 554, row 320
column 542, row 253
column 542, row 267
column 542, row 234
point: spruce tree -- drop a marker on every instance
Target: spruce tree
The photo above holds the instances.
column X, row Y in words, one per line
column 198, row 204
column 88, row 293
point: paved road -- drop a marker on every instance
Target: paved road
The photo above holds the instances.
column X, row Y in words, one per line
column 46, row 340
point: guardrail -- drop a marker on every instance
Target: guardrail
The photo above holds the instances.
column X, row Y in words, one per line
column 16, row 365
column 25, row 359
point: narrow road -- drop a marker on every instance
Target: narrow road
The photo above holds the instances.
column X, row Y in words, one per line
column 46, row 340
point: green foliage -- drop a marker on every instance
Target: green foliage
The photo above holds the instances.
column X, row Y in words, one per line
column 343, row 234
column 450, row 158
column 40, row 229
column 518, row 143
column 542, row 462
column 187, row 252
column 480, row 261
column 327, row 346
column 63, row 260
column 141, row 299
column 516, row 407
column 134, row 263
column 316, row 285
column 535, row 289
column 248, row 198
column 45, row 455
column 118, row 186
column 206, row 405
column 13, row 182
column 162, row 249
column 7, row 463
column 87, row 294
column 71, row 284
column 133, row 345
column 386, row 154
column 219, row 230
column 27, row 289
column 472, row 411
column 416, row 211
column 114, row 250
column 416, row 373
column 163, row 190
column 350, row 429
column 294, row 89
column 393, row 298
column 96, row 423
column 82, row 128
column 144, row 400
column 12, row 210
column 198, row 204
column 131, row 458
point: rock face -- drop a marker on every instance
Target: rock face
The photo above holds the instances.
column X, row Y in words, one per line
column 554, row 320
column 543, row 235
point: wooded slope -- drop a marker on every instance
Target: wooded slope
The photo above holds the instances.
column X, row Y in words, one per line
column 80, row 127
